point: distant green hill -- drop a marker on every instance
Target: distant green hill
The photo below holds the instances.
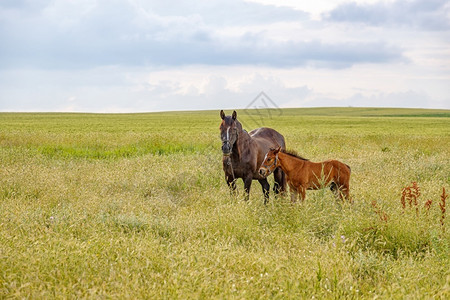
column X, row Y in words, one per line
column 366, row 112
column 307, row 111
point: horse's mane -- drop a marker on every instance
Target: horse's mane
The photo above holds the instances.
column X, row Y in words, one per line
column 293, row 154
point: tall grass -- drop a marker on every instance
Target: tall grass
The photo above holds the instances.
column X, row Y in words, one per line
column 136, row 206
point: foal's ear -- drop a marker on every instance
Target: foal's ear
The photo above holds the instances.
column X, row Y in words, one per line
column 222, row 114
column 234, row 115
column 278, row 149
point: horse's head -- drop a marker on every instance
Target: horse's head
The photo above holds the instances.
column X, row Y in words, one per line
column 229, row 132
column 270, row 162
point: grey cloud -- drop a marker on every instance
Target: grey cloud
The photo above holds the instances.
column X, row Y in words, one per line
column 27, row 5
column 225, row 12
column 429, row 15
column 270, row 53
column 164, row 34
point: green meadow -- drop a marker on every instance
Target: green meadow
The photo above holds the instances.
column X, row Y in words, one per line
column 136, row 206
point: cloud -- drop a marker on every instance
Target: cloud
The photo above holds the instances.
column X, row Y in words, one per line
column 222, row 12
column 114, row 89
column 76, row 35
column 431, row 15
column 121, row 89
column 408, row 98
column 27, row 5
column 136, row 55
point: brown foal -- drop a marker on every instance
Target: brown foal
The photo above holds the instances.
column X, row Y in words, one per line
column 302, row 174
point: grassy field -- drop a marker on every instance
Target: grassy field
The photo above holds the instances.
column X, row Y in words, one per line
column 136, row 206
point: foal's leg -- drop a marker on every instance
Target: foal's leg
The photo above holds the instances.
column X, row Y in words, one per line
column 294, row 193
column 345, row 190
column 341, row 190
column 336, row 190
column 265, row 188
column 302, row 192
column 294, row 196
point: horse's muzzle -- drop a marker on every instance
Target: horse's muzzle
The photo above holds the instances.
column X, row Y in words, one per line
column 226, row 148
column 226, row 152
column 263, row 172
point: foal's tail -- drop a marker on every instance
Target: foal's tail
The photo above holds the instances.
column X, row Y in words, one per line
column 350, row 169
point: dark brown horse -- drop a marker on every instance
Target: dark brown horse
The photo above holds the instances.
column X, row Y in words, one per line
column 243, row 153
column 302, row 174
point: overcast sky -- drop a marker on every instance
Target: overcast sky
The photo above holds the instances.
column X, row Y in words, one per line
column 139, row 56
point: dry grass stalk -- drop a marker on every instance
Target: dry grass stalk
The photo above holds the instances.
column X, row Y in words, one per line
column 383, row 216
column 444, row 197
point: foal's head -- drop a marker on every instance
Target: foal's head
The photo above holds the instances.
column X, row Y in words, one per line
column 270, row 162
column 229, row 131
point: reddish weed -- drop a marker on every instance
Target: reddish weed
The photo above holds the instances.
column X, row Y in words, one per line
column 411, row 194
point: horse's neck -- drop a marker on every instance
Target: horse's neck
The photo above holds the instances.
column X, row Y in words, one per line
column 243, row 141
column 244, row 137
column 289, row 163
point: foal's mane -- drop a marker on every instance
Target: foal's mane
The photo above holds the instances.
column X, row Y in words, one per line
column 293, row 154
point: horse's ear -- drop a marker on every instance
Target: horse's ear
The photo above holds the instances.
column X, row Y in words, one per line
column 234, row 115
column 222, row 114
column 278, row 149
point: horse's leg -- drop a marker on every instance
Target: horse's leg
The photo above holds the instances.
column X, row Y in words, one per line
column 232, row 185
column 280, row 181
column 247, row 185
column 231, row 182
column 265, row 188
